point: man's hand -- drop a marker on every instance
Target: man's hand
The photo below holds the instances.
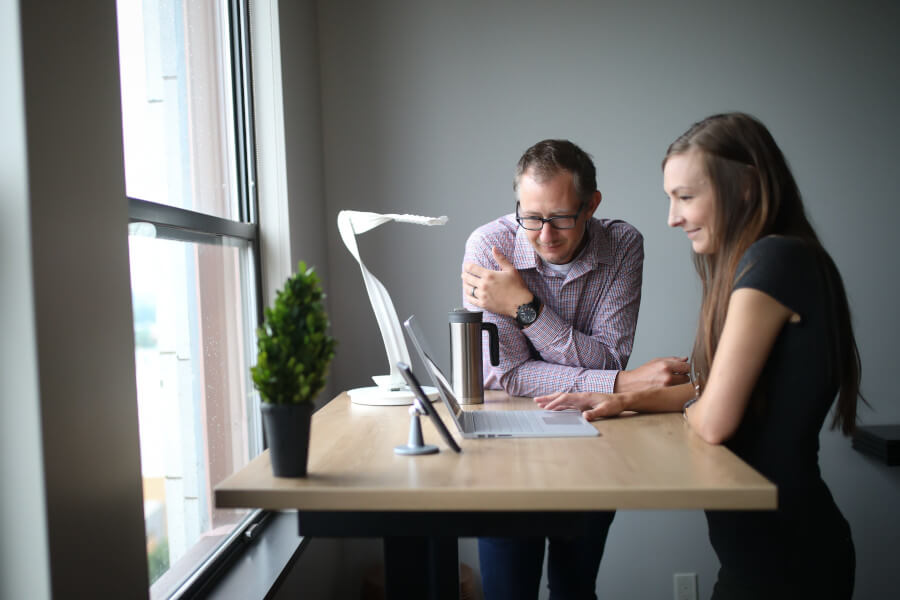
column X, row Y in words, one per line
column 592, row 405
column 657, row 373
column 500, row 292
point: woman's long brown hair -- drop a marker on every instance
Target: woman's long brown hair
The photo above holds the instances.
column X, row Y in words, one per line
column 756, row 195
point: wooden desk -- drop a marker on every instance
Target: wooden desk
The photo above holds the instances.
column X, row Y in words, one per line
column 358, row 487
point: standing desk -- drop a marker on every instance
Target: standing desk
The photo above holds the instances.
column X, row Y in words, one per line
column 357, row 487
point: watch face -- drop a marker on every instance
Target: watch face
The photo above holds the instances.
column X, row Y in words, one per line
column 526, row 315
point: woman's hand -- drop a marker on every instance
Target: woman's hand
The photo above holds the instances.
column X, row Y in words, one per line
column 592, row 405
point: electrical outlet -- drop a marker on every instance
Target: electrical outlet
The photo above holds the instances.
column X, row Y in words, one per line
column 685, row 586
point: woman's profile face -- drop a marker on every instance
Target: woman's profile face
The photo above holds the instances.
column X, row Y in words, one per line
column 692, row 199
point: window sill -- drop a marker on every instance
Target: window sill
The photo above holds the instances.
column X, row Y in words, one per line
column 262, row 566
column 170, row 583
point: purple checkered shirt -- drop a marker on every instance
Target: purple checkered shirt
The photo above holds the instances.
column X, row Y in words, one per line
column 585, row 332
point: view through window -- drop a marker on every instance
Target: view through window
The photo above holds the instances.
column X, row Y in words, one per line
column 194, row 274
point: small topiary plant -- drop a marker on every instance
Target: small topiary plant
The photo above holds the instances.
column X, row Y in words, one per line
column 293, row 346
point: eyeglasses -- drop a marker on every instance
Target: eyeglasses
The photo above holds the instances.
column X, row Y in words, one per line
column 557, row 222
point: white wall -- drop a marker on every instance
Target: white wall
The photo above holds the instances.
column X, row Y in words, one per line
column 71, row 506
column 287, row 110
column 427, row 107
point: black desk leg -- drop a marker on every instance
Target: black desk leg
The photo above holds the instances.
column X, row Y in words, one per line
column 443, row 568
column 421, row 568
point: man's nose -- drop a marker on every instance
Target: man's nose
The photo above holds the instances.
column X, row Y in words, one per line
column 548, row 232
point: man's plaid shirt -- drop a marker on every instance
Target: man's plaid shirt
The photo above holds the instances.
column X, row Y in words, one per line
column 585, row 332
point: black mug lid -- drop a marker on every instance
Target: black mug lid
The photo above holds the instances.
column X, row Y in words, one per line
column 461, row 315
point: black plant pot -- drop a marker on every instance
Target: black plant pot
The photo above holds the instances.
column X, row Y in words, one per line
column 287, row 432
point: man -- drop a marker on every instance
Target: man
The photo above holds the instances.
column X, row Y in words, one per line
column 564, row 290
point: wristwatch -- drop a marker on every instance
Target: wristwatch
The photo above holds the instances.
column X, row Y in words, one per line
column 528, row 313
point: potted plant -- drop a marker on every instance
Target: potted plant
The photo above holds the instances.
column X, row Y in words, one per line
column 293, row 353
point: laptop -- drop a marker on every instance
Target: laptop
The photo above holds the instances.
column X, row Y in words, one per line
column 497, row 423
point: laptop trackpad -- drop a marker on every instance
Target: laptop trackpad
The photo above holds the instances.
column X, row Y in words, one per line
column 563, row 418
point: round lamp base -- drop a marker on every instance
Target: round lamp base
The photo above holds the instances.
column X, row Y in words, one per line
column 377, row 396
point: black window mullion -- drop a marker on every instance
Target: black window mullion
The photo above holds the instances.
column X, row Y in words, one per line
column 243, row 109
column 245, row 137
column 188, row 225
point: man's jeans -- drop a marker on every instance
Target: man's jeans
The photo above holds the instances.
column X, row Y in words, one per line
column 511, row 567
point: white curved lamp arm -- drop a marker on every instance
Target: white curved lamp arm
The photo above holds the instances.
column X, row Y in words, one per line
column 350, row 224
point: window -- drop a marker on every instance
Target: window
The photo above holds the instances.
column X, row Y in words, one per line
column 194, row 272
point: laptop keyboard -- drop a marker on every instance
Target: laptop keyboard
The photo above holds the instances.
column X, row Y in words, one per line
column 504, row 421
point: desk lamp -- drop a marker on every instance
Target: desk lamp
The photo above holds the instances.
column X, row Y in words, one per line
column 389, row 390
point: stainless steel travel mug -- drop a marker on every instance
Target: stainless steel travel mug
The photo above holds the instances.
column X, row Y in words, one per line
column 466, row 368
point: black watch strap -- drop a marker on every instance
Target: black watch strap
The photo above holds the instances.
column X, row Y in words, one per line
column 528, row 313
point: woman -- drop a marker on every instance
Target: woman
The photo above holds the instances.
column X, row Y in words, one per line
column 774, row 347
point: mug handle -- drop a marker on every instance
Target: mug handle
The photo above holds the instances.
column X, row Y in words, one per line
column 494, row 339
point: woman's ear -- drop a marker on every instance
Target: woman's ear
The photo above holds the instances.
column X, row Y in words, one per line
column 750, row 184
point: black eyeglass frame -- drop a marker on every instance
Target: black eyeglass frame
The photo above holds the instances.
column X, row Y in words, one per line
column 551, row 220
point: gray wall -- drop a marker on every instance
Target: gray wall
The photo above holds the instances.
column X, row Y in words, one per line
column 425, row 109
column 427, row 106
column 24, row 555
column 71, row 508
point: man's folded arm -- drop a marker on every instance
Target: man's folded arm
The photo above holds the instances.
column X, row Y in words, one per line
column 612, row 329
column 559, row 342
column 536, row 378
column 520, row 373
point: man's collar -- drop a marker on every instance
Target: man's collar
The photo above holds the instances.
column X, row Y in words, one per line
column 524, row 256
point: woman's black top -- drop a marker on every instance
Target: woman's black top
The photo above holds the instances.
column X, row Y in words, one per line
column 806, row 537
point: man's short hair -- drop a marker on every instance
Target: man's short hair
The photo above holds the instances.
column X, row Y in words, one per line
column 548, row 157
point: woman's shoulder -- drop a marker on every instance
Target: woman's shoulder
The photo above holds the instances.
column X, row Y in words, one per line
column 781, row 244
column 778, row 263
column 779, row 249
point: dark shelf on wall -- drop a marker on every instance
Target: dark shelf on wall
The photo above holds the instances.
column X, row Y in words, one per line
column 880, row 441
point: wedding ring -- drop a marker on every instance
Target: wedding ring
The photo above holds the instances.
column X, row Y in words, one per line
column 473, row 291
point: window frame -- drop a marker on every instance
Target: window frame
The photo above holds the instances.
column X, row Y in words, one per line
column 179, row 224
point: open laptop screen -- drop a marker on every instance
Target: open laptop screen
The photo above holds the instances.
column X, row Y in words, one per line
column 437, row 376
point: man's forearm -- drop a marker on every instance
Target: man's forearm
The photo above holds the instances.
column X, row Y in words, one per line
column 537, row 378
column 560, row 343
